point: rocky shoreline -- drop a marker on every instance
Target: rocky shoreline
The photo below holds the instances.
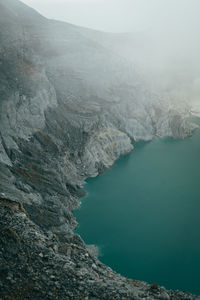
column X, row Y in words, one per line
column 37, row 265
column 68, row 109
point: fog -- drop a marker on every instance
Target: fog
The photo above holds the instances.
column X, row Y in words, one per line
column 123, row 15
column 162, row 36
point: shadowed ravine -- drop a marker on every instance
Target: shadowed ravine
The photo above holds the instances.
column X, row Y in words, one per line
column 144, row 213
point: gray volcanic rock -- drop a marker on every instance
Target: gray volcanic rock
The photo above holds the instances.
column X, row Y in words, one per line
column 69, row 108
column 35, row 264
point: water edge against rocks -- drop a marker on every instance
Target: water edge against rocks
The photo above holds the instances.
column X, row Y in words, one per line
column 143, row 213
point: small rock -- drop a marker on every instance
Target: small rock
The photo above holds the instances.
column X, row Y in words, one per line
column 55, row 248
column 94, row 266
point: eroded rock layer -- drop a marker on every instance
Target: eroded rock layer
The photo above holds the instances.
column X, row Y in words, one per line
column 69, row 107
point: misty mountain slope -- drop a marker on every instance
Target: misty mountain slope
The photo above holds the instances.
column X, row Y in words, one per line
column 168, row 60
column 68, row 108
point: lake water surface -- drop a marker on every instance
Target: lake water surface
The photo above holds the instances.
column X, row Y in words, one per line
column 144, row 213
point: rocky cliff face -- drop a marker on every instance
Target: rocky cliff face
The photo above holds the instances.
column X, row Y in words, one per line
column 69, row 108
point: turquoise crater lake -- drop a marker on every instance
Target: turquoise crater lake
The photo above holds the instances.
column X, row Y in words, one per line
column 144, row 213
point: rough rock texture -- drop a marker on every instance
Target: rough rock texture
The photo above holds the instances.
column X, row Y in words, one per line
column 69, row 108
column 37, row 264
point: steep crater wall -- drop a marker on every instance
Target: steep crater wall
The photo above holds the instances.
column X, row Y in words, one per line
column 68, row 109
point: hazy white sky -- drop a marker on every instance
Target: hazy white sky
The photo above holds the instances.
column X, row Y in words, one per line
column 123, row 15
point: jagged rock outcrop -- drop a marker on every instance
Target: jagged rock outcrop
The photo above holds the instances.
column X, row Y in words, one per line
column 69, row 108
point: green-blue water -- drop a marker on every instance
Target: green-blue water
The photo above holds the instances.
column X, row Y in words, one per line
column 144, row 213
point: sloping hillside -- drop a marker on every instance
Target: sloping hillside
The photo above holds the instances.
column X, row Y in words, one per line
column 69, row 108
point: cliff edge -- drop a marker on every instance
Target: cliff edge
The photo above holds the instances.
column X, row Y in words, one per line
column 69, row 107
